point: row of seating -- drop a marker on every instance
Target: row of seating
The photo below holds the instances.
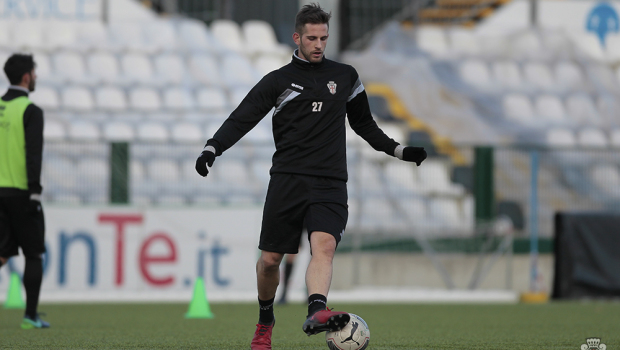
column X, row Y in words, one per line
column 547, row 109
column 253, row 37
column 529, row 44
column 564, row 138
column 562, row 76
column 109, row 98
column 228, row 70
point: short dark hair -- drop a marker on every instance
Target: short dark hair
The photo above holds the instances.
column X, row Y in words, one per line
column 17, row 65
column 311, row 13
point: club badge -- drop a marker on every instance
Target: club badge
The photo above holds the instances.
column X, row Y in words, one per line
column 332, row 87
column 593, row 344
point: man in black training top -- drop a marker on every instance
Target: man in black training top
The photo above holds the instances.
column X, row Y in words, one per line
column 311, row 95
column 21, row 152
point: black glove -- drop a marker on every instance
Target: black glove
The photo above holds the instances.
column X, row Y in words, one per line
column 414, row 154
column 206, row 158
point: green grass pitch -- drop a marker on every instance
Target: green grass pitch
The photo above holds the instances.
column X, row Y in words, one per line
column 392, row 326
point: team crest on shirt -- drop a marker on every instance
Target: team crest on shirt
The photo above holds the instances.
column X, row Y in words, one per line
column 332, row 87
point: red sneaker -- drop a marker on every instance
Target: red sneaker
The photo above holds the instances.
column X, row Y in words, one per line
column 324, row 321
column 262, row 337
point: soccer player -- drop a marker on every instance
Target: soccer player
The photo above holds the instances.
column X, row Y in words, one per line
column 21, row 151
column 311, row 96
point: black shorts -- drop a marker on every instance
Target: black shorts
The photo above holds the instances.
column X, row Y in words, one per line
column 293, row 201
column 21, row 225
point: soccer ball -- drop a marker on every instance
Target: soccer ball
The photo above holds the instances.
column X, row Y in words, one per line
column 354, row 336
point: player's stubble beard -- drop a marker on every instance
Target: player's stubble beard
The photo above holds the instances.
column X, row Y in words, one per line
column 307, row 54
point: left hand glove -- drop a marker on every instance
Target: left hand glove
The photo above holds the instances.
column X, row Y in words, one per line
column 414, row 154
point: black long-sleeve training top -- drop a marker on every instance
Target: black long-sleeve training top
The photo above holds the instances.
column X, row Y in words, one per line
column 33, row 133
column 311, row 101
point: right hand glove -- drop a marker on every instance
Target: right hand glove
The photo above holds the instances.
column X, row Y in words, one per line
column 34, row 204
column 206, row 158
column 414, row 154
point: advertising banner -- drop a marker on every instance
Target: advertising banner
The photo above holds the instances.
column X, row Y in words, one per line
column 146, row 254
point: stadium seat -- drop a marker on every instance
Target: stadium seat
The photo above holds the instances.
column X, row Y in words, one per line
column 152, row 132
column 581, row 109
column 588, row 45
column 448, row 213
column 84, row 130
column 212, row 99
column 539, row 76
column 260, row 171
column 137, row 69
column 260, row 134
column 161, row 35
column 228, row 34
column 70, row 68
column 475, row 72
column 5, row 36
column 45, row 74
column 609, row 109
column 93, row 174
column 77, row 98
column 237, row 70
column 118, row 131
column 170, row 69
column 401, row 177
column 45, row 97
column 178, row 99
column 494, row 45
column 506, row 74
column 60, row 35
column 27, row 35
column 267, row 63
column 433, row 40
column 103, row 67
column 93, row 35
column 205, row 69
column 526, row 45
column 144, row 100
column 109, row 98
column 130, row 37
column 569, row 76
column 259, row 37
column 602, row 78
column 561, row 138
column 187, row 132
column 463, row 41
column 591, row 138
column 519, row 108
column 54, row 130
column 551, row 109
column 194, row 36
column 237, row 94
column 163, row 170
column 434, row 177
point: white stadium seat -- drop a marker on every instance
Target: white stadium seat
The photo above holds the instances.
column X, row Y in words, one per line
column 518, row 107
column 137, row 68
column 433, row 40
column 54, row 130
column 260, row 37
column 84, row 130
column 118, row 131
column 551, row 109
column 592, row 138
column 526, row 45
column 463, row 41
column 205, row 69
column 94, row 35
column 163, row 170
column 5, row 36
column 103, row 67
column 186, row 132
column 568, row 75
column 447, row 212
column 45, row 74
column 476, row 73
column 180, row 99
column 60, row 35
column 161, row 35
column 170, row 69
column 539, row 75
column 77, row 98
column 581, row 109
column 588, row 44
column 46, row 97
column 237, row 70
column 152, row 131
column 129, row 36
column 228, row 34
column 561, row 137
column 507, row 74
column 194, row 35
column 609, row 109
column 434, row 177
column 109, row 98
column 144, row 100
column 212, row 99
column 27, row 35
column 607, row 178
column 602, row 77
column 267, row 63
column 614, row 138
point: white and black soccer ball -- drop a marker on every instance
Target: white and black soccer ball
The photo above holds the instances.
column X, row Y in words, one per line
column 354, row 336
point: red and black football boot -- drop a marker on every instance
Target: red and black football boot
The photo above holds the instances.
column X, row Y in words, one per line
column 325, row 321
column 262, row 337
